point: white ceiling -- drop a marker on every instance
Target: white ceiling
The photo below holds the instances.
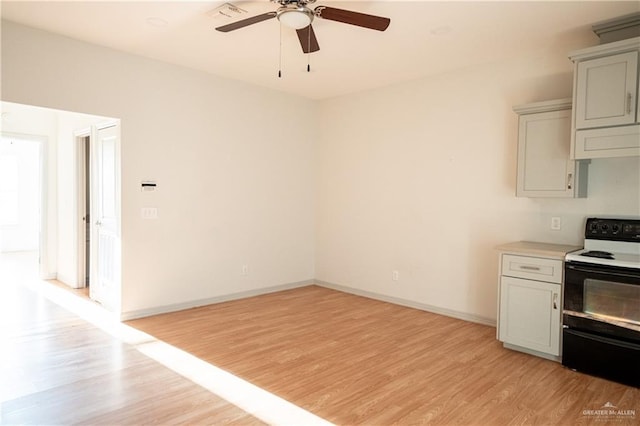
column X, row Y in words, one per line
column 424, row 38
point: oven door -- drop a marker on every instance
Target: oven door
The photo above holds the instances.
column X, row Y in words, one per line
column 603, row 300
column 601, row 321
column 613, row 359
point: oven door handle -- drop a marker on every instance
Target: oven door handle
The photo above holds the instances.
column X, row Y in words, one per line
column 602, row 339
column 604, row 270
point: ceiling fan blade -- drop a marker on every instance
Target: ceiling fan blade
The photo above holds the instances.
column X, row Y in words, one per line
column 308, row 39
column 246, row 22
column 354, row 18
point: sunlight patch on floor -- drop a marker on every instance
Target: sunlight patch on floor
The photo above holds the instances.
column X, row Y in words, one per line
column 250, row 398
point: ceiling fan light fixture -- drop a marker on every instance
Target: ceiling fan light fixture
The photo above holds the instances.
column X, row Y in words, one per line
column 296, row 18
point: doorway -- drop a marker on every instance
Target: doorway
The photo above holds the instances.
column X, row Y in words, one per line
column 79, row 233
column 97, row 212
column 83, row 141
column 21, row 198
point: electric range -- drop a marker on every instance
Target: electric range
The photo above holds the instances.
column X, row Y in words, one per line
column 601, row 300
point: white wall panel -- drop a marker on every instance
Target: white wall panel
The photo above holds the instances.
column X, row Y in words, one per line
column 420, row 178
column 233, row 164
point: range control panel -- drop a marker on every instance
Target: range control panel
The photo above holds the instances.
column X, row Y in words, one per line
column 613, row 229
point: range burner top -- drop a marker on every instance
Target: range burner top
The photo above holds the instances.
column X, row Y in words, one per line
column 597, row 253
column 610, row 242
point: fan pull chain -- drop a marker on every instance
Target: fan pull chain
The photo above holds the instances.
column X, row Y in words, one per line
column 280, row 55
column 309, row 49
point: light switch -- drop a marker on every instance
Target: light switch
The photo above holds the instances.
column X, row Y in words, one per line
column 148, row 185
column 149, row 213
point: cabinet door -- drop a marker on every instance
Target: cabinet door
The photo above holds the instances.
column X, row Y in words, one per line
column 606, row 90
column 544, row 168
column 530, row 314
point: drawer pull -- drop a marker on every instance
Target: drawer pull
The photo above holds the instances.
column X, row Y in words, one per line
column 530, row 268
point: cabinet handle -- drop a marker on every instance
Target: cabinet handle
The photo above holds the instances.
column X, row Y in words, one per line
column 530, row 268
column 569, row 180
column 629, row 99
column 555, row 301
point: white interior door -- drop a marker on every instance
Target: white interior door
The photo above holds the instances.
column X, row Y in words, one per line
column 105, row 238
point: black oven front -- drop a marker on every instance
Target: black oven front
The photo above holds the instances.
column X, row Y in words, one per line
column 601, row 321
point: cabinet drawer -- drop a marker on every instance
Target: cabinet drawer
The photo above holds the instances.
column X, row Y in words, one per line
column 533, row 268
column 621, row 141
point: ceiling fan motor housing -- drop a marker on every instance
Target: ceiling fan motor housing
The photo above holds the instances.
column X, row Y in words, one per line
column 295, row 15
column 293, row 2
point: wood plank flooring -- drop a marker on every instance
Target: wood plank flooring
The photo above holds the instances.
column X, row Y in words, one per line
column 57, row 369
column 356, row 361
column 347, row 359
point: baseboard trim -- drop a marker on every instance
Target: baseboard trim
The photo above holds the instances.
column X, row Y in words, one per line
column 130, row 315
column 409, row 303
column 65, row 280
column 532, row 352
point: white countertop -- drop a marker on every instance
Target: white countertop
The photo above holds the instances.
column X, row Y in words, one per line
column 552, row 251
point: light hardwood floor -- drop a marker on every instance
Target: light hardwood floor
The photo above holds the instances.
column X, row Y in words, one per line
column 57, row 369
column 344, row 358
column 352, row 360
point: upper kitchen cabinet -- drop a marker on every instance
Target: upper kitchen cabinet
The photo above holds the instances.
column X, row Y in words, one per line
column 606, row 91
column 544, row 167
column 605, row 109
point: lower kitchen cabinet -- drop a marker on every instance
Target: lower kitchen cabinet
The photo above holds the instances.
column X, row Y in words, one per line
column 530, row 297
column 530, row 314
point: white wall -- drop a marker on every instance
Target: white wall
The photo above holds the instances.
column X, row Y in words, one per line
column 234, row 186
column 420, row 178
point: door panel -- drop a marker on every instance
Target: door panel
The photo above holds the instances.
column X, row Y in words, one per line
column 105, row 286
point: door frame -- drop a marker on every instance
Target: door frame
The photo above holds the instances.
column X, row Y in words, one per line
column 82, row 176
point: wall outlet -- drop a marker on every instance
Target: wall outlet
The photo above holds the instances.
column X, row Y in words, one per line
column 245, row 270
column 556, row 223
column 395, row 275
column 149, row 213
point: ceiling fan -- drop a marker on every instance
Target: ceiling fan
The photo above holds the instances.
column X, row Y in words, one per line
column 297, row 15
